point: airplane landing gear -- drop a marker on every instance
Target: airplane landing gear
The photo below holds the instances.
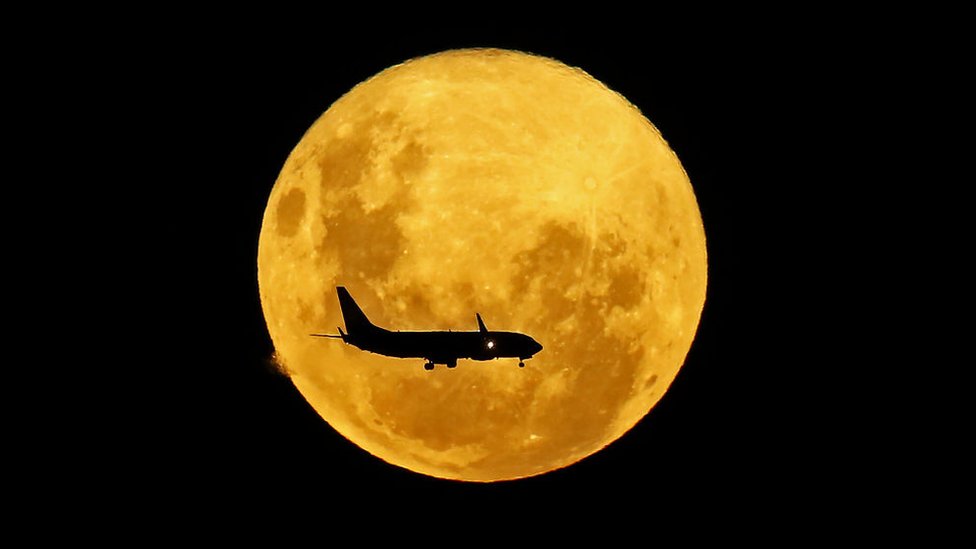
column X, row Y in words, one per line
column 521, row 364
column 428, row 366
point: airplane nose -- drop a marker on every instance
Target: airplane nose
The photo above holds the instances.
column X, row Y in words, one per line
column 536, row 347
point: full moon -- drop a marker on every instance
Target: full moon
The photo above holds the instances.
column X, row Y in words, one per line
column 495, row 182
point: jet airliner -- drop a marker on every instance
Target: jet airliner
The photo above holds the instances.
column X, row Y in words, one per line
column 436, row 347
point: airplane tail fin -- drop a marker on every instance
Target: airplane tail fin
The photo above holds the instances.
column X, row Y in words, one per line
column 352, row 315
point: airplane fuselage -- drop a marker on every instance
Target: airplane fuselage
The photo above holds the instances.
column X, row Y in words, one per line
column 435, row 347
column 446, row 347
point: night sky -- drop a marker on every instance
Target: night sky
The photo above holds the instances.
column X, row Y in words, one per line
column 218, row 426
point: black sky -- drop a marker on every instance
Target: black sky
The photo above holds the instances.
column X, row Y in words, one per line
column 210, row 122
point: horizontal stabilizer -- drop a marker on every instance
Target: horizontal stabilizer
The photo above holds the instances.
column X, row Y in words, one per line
column 342, row 335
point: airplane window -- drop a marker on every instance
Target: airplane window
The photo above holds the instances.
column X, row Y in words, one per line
column 491, row 344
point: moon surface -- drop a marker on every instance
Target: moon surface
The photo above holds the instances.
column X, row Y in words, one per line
column 497, row 182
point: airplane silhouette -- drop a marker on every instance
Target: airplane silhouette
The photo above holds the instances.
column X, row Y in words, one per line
column 436, row 347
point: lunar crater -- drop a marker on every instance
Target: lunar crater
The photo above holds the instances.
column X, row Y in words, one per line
column 290, row 212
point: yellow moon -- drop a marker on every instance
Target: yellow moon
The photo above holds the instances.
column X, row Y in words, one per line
column 497, row 182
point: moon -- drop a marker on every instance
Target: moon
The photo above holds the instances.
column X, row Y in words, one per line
column 497, row 182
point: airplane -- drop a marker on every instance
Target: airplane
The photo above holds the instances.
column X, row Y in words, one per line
column 436, row 347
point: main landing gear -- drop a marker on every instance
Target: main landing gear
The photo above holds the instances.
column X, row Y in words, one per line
column 429, row 366
column 521, row 363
